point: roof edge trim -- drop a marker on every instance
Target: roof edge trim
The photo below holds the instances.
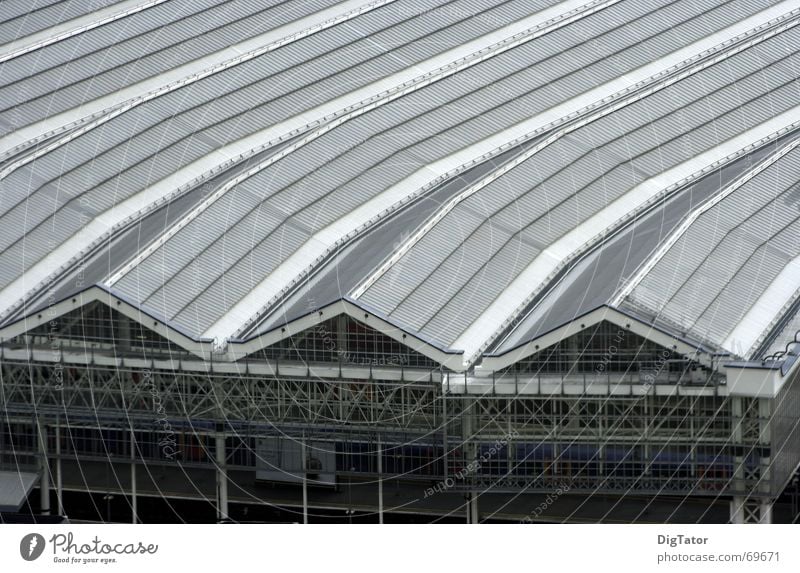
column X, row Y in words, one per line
column 198, row 346
column 648, row 264
column 605, row 312
column 239, row 348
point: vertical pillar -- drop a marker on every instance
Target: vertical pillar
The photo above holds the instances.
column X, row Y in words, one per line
column 380, row 481
column 134, row 501
column 222, row 478
column 737, row 483
column 737, row 509
column 646, row 433
column 469, row 458
column 765, row 481
column 304, row 466
column 444, row 424
column 59, row 485
column 765, row 512
column 44, row 470
column 472, row 508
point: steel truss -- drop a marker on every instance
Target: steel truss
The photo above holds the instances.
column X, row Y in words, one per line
column 691, row 445
column 106, row 392
column 651, row 444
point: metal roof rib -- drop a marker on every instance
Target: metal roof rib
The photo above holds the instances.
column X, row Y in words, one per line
column 429, row 167
column 766, row 35
column 425, row 79
column 96, row 112
column 651, row 261
column 384, row 297
column 43, row 84
column 774, row 301
column 582, row 112
column 781, row 333
column 473, row 177
column 170, row 183
column 725, row 256
column 542, row 273
column 59, row 25
column 599, row 274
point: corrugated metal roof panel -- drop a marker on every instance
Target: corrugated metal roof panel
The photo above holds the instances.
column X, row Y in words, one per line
column 715, row 272
column 456, row 271
column 24, row 17
column 582, row 182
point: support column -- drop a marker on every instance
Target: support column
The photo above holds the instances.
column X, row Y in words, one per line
column 737, row 509
column 646, row 433
column 380, row 481
column 766, row 473
column 304, row 466
column 44, row 471
column 59, row 485
column 444, row 424
column 765, row 511
column 472, row 508
column 134, row 502
column 738, row 479
column 222, row 479
column 469, row 458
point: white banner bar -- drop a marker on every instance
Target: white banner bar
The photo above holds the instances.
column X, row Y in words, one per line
column 398, row 548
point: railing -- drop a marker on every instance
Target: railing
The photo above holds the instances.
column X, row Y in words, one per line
column 174, row 358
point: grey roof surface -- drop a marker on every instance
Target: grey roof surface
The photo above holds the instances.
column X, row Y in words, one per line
column 289, row 172
column 295, row 198
column 711, row 277
column 451, row 276
column 149, row 142
column 19, row 18
column 343, row 273
column 594, row 279
column 64, row 75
